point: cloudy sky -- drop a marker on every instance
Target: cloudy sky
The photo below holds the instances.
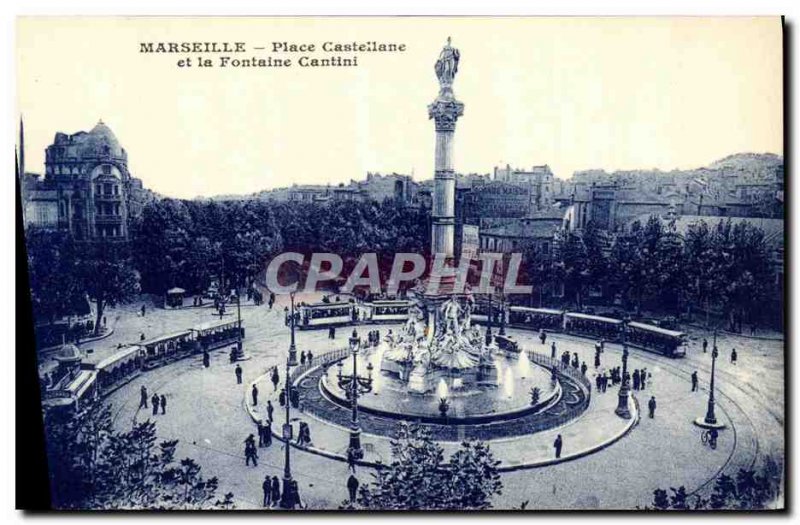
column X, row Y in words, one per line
column 574, row 93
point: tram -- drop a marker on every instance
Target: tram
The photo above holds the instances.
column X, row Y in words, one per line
column 387, row 311
column 117, row 369
column 593, row 326
column 536, row 318
column 216, row 334
column 167, row 348
column 325, row 315
column 480, row 312
column 667, row 342
column 71, row 391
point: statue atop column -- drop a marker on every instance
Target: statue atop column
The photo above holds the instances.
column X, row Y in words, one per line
column 447, row 65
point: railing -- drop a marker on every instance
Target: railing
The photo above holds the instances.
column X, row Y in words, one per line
column 320, row 360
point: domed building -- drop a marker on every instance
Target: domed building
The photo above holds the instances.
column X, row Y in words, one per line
column 87, row 188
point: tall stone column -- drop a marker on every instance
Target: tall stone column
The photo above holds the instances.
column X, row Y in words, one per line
column 445, row 111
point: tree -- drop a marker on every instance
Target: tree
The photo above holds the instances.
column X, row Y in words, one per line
column 747, row 490
column 92, row 466
column 107, row 275
column 418, row 476
column 55, row 291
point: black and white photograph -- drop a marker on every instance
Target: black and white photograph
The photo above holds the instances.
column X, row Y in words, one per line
column 403, row 263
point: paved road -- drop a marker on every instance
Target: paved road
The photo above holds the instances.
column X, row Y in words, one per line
column 206, row 412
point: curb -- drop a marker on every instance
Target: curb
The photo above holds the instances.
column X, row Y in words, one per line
column 510, row 468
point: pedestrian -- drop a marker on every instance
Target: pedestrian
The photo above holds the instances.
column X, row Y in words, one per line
column 643, row 378
column 575, row 362
column 142, row 395
column 734, row 356
column 351, row 459
column 155, row 401
column 553, row 350
column 694, row 381
column 583, row 368
column 262, row 439
column 302, row 358
column 275, row 378
column 309, row 357
column 250, row 451
column 294, row 397
column 598, row 382
column 352, row 487
column 266, row 486
column 636, row 380
column 163, row 404
column 651, row 405
column 542, row 335
column 269, row 409
column 276, row 490
column 254, row 392
column 206, row 359
column 144, row 310
column 597, row 359
column 705, row 345
column 141, row 336
column 557, row 444
column 282, row 397
column 295, row 495
column 238, row 374
column 602, row 345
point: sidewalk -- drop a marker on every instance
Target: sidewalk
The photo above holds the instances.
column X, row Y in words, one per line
column 581, row 436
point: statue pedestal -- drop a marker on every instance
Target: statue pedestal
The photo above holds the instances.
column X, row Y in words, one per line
column 418, row 380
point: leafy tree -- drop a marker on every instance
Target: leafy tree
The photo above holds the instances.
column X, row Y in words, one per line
column 419, row 477
column 107, row 275
column 92, row 466
column 55, row 291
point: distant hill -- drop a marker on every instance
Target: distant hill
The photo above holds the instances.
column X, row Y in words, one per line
column 752, row 162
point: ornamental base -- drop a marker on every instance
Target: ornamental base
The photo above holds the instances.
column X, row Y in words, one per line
column 622, row 409
column 701, row 422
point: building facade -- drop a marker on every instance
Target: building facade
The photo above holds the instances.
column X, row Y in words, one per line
column 86, row 189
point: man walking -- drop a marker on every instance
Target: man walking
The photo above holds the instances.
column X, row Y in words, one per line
column 266, row 486
column 553, row 350
column 651, row 405
column 206, row 359
column 557, row 444
column 276, row 490
column 155, row 400
column 694, row 381
column 250, row 451
column 705, row 345
column 163, row 404
column 275, row 379
column 143, row 397
column 734, row 356
column 269, row 410
column 254, row 392
column 238, row 374
column 352, row 487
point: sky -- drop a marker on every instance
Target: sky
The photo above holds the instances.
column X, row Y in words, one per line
column 573, row 93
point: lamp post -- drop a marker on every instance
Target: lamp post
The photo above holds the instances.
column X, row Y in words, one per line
column 355, row 385
column 489, row 321
column 622, row 409
column 287, row 496
column 502, row 313
column 710, row 419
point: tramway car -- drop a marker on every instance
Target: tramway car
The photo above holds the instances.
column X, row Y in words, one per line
column 536, row 318
column 167, row 348
column 389, row 310
column 593, row 326
column 325, row 315
column 667, row 342
column 216, row 334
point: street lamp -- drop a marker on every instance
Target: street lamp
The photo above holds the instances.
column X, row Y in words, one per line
column 710, row 419
column 622, row 409
column 355, row 385
column 287, row 498
column 502, row 314
column 489, row 321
